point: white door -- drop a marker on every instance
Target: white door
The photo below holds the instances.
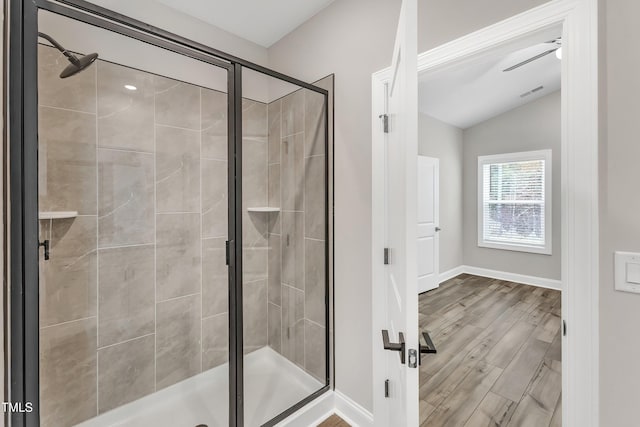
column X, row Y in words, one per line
column 400, row 283
column 428, row 223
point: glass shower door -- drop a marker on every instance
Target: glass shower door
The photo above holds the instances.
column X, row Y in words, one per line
column 284, row 220
column 133, row 201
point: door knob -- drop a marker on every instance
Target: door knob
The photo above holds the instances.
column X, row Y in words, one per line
column 438, row 229
column 393, row 346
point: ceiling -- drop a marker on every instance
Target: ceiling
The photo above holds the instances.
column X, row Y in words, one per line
column 259, row 21
column 479, row 89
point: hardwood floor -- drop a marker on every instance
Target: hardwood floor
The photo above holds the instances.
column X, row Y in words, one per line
column 334, row 421
column 498, row 361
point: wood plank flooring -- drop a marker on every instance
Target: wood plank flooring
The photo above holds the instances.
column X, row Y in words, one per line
column 498, row 361
column 334, row 421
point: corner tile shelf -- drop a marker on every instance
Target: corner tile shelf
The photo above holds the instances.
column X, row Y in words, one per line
column 57, row 215
column 263, row 209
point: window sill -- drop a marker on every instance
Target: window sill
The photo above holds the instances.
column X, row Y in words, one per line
column 516, row 248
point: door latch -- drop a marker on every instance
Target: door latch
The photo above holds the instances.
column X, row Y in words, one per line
column 413, row 358
column 393, row 346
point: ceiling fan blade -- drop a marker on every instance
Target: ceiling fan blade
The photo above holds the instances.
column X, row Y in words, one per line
column 533, row 58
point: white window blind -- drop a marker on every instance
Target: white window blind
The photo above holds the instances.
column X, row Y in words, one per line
column 514, row 201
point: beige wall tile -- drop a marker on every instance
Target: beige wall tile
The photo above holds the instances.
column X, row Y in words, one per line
column 274, row 117
column 254, row 121
column 215, row 341
column 125, row 117
column 215, row 277
column 214, row 198
column 125, row 372
column 178, row 257
column 292, row 173
column 254, row 310
column 293, row 324
column 315, row 197
column 127, row 293
column 274, row 185
column 275, row 327
column 178, row 348
column 68, row 282
column 275, row 269
column 67, row 161
column 177, row 103
column 254, row 266
column 314, row 351
column 68, row 373
column 125, row 198
column 293, row 249
column 78, row 93
column 254, row 173
column 314, row 124
column 214, row 124
column 177, row 170
column 314, row 283
column 293, row 113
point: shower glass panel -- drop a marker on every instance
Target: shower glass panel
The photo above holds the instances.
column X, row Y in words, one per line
column 284, row 214
column 133, row 200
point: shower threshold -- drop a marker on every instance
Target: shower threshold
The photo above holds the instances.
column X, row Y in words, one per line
column 272, row 384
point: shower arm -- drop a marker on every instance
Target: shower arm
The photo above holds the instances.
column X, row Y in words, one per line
column 70, row 56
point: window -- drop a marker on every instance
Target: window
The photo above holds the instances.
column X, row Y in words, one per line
column 514, row 201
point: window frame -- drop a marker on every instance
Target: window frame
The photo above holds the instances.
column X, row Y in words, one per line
column 546, row 156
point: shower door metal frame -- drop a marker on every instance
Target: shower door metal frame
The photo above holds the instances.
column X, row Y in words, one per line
column 22, row 304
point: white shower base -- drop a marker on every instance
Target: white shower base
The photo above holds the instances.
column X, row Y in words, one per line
column 272, row 384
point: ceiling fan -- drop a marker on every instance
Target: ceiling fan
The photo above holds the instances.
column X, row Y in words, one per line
column 555, row 45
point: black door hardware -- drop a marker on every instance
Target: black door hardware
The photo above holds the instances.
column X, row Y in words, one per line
column 45, row 244
column 429, row 348
column 392, row 346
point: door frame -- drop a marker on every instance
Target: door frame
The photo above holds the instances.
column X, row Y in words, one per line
column 579, row 183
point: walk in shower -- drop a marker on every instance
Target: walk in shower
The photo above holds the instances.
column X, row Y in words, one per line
column 181, row 214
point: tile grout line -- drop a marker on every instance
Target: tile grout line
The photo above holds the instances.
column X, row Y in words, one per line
column 126, row 341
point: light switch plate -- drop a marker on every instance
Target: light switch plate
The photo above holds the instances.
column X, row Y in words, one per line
column 627, row 271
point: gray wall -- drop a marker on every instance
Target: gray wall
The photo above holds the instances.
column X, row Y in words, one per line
column 353, row 39
column 534, row 126
column 445, row 142
column 619, row 207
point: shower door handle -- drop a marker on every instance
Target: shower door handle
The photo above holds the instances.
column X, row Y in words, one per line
column 46, row 245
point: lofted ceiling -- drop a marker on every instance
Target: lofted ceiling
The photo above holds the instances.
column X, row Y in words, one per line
column 479, row 89
column 259, row 21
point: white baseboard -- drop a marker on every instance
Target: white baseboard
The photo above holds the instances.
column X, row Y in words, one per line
column 352, row 412
column 451, row 273
column 332, row 402
column 540, row 282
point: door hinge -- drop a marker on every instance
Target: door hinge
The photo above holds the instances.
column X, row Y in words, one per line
column 387, row 256
column 564, row 328
column 227, row 252
column 386, row 388
column 385, row 122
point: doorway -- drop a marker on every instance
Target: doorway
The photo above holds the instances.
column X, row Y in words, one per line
column 495, row 124
column 578, row 186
